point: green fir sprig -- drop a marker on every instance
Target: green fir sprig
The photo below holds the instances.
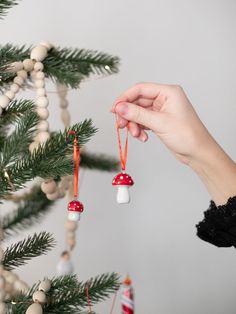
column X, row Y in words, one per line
column 21, row 252
column 68, row 66
column 68, row 296
column 5, row 5
column 30, row 211
column 50, row 160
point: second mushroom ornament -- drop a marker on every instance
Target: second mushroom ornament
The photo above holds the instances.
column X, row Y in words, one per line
column 122, row 180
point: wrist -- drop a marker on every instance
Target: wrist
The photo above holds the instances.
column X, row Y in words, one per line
column 216, row 170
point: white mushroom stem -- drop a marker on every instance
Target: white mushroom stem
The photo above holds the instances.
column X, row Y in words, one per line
column 73, row 216
column 123, row 194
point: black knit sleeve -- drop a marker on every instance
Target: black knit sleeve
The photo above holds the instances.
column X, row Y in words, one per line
column 219, row 224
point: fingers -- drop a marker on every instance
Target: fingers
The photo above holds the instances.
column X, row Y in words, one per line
column 137, row 114
column 141, row 90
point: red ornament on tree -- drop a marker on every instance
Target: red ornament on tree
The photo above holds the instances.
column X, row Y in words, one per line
column 127, row 297
column 122, row 180
column 75, row 207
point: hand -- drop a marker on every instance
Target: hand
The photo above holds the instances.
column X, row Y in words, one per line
column 166, row 110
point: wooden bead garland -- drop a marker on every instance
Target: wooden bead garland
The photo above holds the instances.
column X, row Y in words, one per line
column 53, row 190
column 39, row 297
column 3, row 283
column 22, row 68
column 13, row 284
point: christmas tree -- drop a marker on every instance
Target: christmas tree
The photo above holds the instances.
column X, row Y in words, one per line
column 28, row 151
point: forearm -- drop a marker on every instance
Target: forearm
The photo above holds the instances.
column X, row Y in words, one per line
column 216, row 170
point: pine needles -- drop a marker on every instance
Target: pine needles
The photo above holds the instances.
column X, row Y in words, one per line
column 68, row 66
column 68, row 296
column 19, row 253
column 5, row 5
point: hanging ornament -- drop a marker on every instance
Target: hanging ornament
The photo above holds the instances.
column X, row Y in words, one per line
column 122, row 180
column 127, row 297
column 65, row 266
column 75, row 207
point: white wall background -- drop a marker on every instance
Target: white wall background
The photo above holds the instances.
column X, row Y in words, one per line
column 192, row 43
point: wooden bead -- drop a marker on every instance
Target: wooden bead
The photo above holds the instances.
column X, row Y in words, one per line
column 71, row 235
column 39, row 296
column 2, row 282
column 42, row 101
column 65, row 117
column 61, row 90
column 23, row 74
column 39, row 53
column 39, row 83
column 71, row 243
column 34, row 308
column 45, row 285
column 53, row 197
column 18, row 80
column 64, row 185
column 2, row 295
column 43, row 113
column 15, row 66
column 39, row 75
column 71, row 225
column 33, row 146
column 64, row 103
column 40, row 91
column 8, row 288
column 28, row 65
column 10, row 94
column 46, row 44
column 33, row 74
column 3, row 308
column 21, row 286
column 49, row 186
column 1, row 254
column 61, row 193
column 43, row 125
column 42, row 137
column 10, row 277
column 4, row 101
column 14, row 88
column 38, row 66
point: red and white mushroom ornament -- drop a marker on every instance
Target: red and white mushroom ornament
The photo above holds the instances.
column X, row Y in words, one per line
column 123, row 181
column 75, row 208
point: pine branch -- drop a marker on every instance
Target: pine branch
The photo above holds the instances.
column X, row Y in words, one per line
column 21, row 252
column 68, row 296
column 53, row 159
column 12, row 114
column 30, row 211
column 19, row 140
column 68, row 66
column 98, row 162
column 5, row 5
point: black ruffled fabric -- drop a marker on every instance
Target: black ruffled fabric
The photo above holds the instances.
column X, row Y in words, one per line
column 219, row 224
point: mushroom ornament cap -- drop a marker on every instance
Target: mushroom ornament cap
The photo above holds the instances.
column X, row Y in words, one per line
column 75, row 208
column 123, row 179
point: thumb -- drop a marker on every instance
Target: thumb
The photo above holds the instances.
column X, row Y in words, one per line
column 137, row 114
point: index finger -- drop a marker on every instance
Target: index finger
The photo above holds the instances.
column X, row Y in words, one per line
column 144, row 90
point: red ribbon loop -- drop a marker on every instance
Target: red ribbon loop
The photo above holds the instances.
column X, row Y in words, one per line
column 76, row 164
column 123, row 155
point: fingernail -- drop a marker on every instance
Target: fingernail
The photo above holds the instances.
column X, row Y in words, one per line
column 143, row 138
column 122, row 109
